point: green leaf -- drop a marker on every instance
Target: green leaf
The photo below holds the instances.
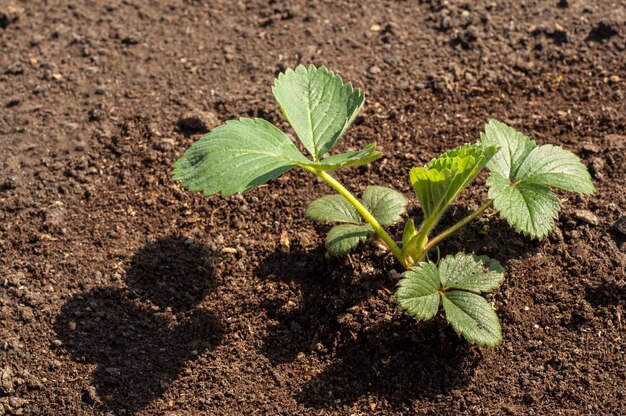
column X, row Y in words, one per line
column 318, row 105
column 555, row 167
column 470, row 272
column 418, row 291
column 409, row 233
column 349, row 159
column 344, row 238
column 236, row 157
column 523, row 174
column 528, row 207
column 472, row 317
column 333, row 208
column 437, row 184
column 513, row 147
column 385, row 204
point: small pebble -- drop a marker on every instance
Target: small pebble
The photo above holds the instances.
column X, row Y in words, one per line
column 375, row 70
column 198, row 122
column 586, row 216
column 620, row 225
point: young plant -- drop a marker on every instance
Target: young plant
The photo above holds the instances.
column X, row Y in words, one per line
column 245, row 153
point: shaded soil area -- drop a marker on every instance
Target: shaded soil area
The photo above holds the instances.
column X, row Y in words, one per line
column 120, row 294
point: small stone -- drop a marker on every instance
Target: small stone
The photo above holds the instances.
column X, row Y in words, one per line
column 596, row 166
column 198, row 122
column 620, row 225
column 90, row 396
column 375, row 28
column 375, row 70
column 590, row 148
column 13, row 102
column 131, row 39
column 284, row 240
column 229, row 250
column 586, row 216
column 555, row 235
column 9, row 14
column 6, row 380
column 98, row 274
column 189, row 241
column 57, row 343
column 72, row 326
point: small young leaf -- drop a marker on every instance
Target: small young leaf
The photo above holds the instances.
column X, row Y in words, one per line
column 344, row 238
column 437, row 184
column 523, row 174
column 318, row 105
column 470, row 272
column 343, row 160
column 409, row 233
column 472, row 317
column 333, row 208
column 236, row 157
column 385, row 204
column 418, row 291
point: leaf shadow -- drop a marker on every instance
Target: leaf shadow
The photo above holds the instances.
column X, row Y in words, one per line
column 606, row 294
column 318, row 307
column 140, row 337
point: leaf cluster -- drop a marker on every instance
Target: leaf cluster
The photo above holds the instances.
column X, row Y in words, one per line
column 319, row 106
column 456, row 282
column 385, row 204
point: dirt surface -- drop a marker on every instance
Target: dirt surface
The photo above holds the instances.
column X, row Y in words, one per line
column 120, row 294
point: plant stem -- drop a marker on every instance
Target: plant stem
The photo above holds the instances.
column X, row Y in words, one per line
column 380, row 231
column 448, row 232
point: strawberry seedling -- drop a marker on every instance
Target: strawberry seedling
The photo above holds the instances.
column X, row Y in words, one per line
column 245, row 153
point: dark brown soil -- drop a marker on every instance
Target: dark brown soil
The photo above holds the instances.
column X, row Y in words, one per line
column 121, row 294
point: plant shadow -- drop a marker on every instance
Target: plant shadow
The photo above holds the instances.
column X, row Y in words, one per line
column 373, row 348
column 400, row 361
column 606, row 294
column 140, row 337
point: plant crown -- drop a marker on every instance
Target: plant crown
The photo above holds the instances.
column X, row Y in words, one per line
column 243, row 154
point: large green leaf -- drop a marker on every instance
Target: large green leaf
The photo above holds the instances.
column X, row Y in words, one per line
column 344, row 238
column 437, row 184
column 418, row 291
column 236, row 157
column 318, row 105
column 528, row 207
column 385, row 204
column 472, row 317
column 349, row 159
column 555, row 167
column 333, row 208
column 523, row 174
column 470, row 272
